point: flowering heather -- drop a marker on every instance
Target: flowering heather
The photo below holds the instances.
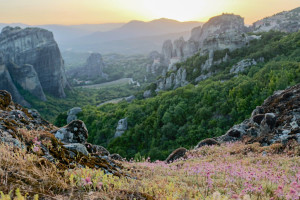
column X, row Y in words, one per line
column 229, row 171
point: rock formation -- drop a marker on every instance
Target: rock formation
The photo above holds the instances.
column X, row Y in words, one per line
column 287, row 21
column 92, row 69
column 36, row 51
column 275, row 121
column 242, row 65
column 72, row 114
column 23, row 128
column 121, row 128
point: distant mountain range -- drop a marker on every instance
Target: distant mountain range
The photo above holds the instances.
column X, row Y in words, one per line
column 140, row 36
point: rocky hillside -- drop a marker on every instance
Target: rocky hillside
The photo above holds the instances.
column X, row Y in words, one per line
column 31, row 60
column 220, row 34
column 287, row 21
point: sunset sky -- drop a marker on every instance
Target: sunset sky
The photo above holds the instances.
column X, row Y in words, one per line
column 106, row 11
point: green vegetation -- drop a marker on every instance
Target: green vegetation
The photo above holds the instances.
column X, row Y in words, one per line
column 186, row 115
column 54, row 107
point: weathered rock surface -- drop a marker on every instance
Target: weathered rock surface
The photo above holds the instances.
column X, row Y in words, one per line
column 28, row 79
column 242, row 65
column 173, row 81
column 74, row 132
column 121, row 128
column 22, row 128
column 35, row 47
column 207, row 142
column 72, row 114
column 275, row 121
column 175, row 155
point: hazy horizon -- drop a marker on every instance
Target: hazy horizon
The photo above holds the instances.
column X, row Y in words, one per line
column 76, row 12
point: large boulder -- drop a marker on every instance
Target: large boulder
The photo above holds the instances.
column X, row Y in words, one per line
column 175, row 155
column 77, row 147
column 207, row 142
column 74, row 132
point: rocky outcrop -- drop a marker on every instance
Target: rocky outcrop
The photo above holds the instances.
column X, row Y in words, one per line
column 242, row 65
column 175, row 155
column 74, row 132
column 25, row 129
column 121, row 128
column 287, row 21
column 172, row 81
column 207, row 142
column 35, row 47
column 275, row 121
column 147, row 94
column 94, row 66
column 72, row 114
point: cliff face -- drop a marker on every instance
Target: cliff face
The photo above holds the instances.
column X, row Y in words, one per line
column 35, row 60
column 226, row 31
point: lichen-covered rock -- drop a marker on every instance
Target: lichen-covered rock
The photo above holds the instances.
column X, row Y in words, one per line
column 96, row 149
column 207, row 142
column 25, row 129
column 116, row 156
column 74, row 132
column 276, row 120
column 12, row 142
column 77, row 147
column 175, row 155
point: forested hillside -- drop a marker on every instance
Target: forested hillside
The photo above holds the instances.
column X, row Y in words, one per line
column 182, row 117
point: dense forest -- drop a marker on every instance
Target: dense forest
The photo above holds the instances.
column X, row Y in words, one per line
column 183, row 117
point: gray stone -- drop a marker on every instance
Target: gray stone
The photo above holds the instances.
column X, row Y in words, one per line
column 12, row 141
column 77, row 147
column 121, row 128
column 27, row 78
column 242, row 66
column 36, row 47
column 267, row 124
column 130, row 98
column 74, row 132
column 147, row 94
column 72, row 114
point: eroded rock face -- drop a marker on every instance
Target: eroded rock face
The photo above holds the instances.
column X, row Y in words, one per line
column 28, row 79
column 94, row 66
column 36, row 47
column 242, row 65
